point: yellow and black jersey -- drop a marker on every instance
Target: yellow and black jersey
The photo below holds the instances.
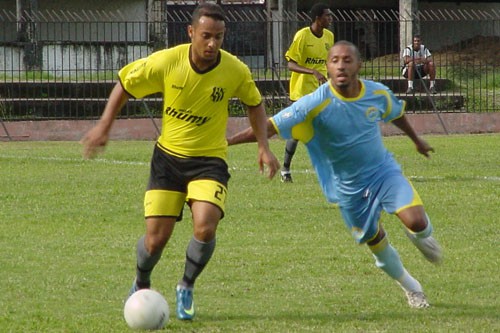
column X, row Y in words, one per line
column 309, row 51
column 195, row 107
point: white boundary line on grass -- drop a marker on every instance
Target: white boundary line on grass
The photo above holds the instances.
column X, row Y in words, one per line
column 77, row 160
column 231, row 168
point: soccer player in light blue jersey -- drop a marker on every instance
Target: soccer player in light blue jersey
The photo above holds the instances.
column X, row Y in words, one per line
column 338, row 123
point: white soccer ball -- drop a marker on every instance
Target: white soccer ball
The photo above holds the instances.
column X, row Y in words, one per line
column 146, row 309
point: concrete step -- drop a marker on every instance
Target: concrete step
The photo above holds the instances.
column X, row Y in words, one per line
column 95, row 89
column 101, row 89
column 72, row 108
column 24, row 89
column 70, row 100
column 442, row 101
column 400, row 85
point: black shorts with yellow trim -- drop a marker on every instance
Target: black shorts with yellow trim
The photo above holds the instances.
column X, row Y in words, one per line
column 173, row 180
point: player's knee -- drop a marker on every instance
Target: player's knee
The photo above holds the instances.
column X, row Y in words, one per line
column 378, row 238
column 416, row 222
column 204, row 233
column 155, row 245
column 414, row 218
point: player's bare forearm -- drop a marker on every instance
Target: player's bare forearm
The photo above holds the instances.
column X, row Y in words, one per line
column 117, row 99
column 422, row 146
column 244, row 136
column 295, row 67
column 97, row 137
column 258, row 122
column 247, row 135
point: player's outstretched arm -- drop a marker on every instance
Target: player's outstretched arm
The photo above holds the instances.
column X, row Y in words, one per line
column 247, row 135
column 422, row 146
column 258, row 123
column 97, row 137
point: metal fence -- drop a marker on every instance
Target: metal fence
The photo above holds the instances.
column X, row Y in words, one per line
column 62, row 65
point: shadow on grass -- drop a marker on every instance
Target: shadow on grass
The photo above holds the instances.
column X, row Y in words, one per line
column 445, row 311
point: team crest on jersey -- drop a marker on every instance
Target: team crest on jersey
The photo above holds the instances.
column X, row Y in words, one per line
column 217, row 94
column 371, row 114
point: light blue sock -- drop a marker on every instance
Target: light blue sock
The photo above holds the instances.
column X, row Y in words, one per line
column 409, row 283
column 387, row 259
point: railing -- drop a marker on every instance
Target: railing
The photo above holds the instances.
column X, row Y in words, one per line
column 62, row 65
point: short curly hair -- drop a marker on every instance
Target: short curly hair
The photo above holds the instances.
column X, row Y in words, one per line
column 209, row 9
column 317, row 10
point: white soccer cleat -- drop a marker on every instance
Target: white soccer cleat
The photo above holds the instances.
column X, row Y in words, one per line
column 417, row 299
column 286, row 177
column 428, row 246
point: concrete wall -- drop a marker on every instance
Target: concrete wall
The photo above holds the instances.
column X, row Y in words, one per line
column 58, row 20
column 116, row 22
column 132, row 10
column 66, row 59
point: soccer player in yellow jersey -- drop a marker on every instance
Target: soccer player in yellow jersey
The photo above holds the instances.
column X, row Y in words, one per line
column 189, row 160
column 306, row 58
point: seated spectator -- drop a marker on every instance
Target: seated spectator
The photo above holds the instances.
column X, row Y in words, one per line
column 418, row 63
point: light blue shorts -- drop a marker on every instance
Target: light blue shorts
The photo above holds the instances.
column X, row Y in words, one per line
column 389, row 191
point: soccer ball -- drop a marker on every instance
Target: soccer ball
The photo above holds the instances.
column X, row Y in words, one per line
column 146, row 309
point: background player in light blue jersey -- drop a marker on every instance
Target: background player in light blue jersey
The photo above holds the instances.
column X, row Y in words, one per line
column 338, row 123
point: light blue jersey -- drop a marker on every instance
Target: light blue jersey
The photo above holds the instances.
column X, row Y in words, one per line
column 344, row 142
column 342, row 132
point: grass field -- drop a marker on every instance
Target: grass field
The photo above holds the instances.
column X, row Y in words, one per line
column 284, row 261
